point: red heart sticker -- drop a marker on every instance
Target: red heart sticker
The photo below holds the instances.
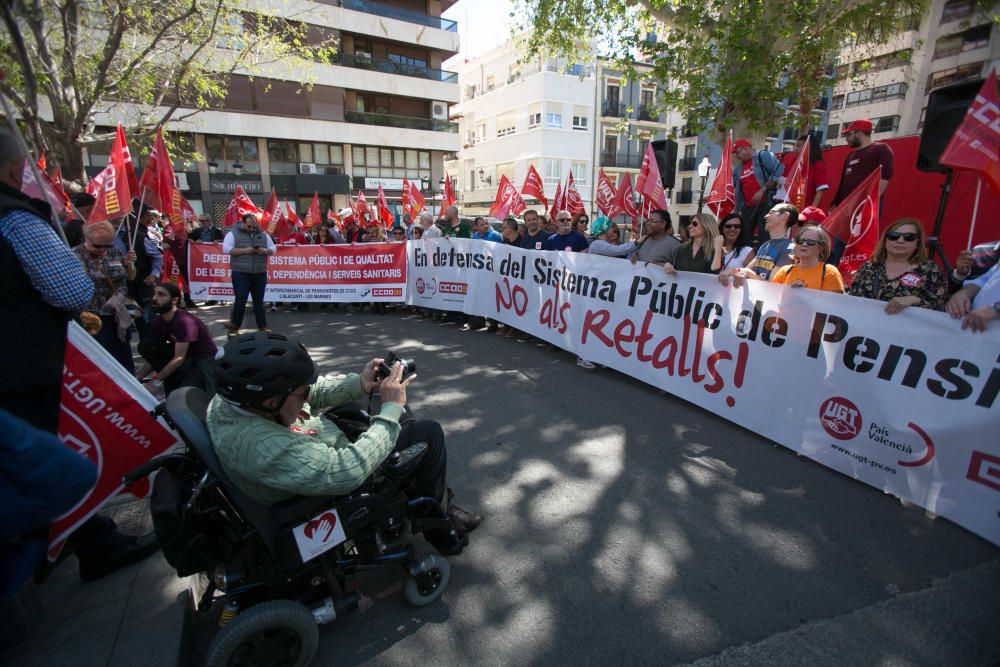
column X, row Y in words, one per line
column 313, row 525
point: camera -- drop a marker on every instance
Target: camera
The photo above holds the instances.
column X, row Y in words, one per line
column 384, row 370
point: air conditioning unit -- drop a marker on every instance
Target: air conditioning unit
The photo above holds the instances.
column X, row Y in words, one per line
column 439, row 110
column 307, row 168
column 335, row 171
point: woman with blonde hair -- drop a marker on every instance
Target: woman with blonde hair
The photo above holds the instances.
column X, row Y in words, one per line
column 899, row 272
column 702, row 253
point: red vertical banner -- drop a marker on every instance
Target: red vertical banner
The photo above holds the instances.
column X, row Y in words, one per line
column 533, row 186
column 240, row 205
column 721, row 198
column 313, row 216
column 556, row 202
column 605, row 199
column 384, row 214
column 574, row 202
column 113, row 197
column 649, row 184
column 105, row 416
column 856, row 222
column 625, row 200
column 976, row 143
column 449, row 193
column 797, row 182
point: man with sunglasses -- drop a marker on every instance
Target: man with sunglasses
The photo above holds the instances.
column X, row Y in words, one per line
column 566, row 238
column 773, row 253
column 271, row 437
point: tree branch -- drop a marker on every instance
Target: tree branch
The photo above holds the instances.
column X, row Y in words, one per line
column 30, row 102
column 153, row 43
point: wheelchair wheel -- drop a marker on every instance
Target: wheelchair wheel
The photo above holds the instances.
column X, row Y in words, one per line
column 280, row 632
column 428, row 585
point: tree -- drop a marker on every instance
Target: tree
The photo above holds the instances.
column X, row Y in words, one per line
column 728, row 63
column 147, row 62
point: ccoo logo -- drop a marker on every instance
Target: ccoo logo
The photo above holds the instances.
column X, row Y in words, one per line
column 840, row 418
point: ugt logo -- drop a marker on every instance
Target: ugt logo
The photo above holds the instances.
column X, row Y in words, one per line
column 840, row 418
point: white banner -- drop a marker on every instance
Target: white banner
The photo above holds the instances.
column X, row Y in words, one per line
column 906, row 403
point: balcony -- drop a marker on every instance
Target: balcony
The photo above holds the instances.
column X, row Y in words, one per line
column 390, row 12
column 391, row 67
column 685, row 196
column 612, row 109
column 647, row 114
column 408, row 122
column 687, row 164
column 621, row 161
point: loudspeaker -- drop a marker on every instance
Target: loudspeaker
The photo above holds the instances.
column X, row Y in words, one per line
column 946, row 107
column 665, row 152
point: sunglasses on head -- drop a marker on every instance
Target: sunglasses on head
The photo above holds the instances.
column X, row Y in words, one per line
column 809, row 242
column 906, row 236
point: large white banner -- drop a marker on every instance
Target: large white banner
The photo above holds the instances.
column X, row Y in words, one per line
column 906, row 403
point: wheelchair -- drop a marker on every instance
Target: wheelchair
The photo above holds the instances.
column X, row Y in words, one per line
column 279, row 571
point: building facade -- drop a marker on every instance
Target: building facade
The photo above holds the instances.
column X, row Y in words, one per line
column 375, row 113
column 890, row 84
column 513, row 115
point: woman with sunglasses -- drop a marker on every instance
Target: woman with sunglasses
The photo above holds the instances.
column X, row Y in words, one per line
column 900, row 273
column 812, row 247
column 703, row 251
column 109, row 270
column 735, row 253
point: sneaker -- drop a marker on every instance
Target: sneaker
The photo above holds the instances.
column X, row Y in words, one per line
column 465, row 522
column 583, row 363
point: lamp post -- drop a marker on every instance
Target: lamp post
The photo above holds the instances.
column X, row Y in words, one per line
column 703, row 168
column 238, row 168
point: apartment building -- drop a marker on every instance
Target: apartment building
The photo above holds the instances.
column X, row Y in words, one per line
column 513, row 115
column 890, row 84
column 375, row 113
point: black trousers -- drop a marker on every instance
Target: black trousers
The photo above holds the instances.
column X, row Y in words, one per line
column 429, row 477
column 753, row 232
column 192, row 373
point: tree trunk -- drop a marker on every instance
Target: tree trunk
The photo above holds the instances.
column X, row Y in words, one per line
column 68, row 153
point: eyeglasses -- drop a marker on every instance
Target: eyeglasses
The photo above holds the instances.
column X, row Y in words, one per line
column 103, row 246
column 909, row 237
column 693, row 223
column 809, row 242
column 563, row 219
column 735, row 226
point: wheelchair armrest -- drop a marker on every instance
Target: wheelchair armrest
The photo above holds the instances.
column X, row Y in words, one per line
column 402, row 464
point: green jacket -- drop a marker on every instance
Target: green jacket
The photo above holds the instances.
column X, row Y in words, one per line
column 271, row 462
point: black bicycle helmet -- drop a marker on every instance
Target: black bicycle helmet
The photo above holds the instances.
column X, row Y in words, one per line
column 258, row 366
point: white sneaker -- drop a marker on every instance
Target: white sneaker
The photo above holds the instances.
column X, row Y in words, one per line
column 583, row 363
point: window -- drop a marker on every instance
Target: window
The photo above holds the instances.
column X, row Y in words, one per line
column 689, row 151
column 281, row 157
column 923, row 114
column 837, row 102
column 889, row 92
column 581, row 172
column 687, row 184
column 859, row 97
column 490, row 83
column 832, row 131
column 534, row 119
column 579, row 122
column 957, row 9
column 612, row 93
column 471, row 185
column 976, row 38
column 886, row 124
column 374, row 162
column 553, row 120
column 610, row 145
column 225, row 151
column 577, row 70
column 505, row 125
column 954, row 75
column 551, row 170
column 407, row 60
column 480, row 133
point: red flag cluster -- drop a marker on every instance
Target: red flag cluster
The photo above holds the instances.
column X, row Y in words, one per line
column 721, row 198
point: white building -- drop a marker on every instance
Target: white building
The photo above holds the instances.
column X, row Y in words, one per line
column 512, row 116
column 890, row 84
column 376, row 113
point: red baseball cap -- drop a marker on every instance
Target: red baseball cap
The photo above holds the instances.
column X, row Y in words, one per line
column 740, row 144
column 863, row 125
column 812, row 214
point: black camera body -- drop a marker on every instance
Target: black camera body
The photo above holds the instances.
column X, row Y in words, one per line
column 384, row 370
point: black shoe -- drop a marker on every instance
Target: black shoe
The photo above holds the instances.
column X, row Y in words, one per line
column 135, row 549
column 465, row 522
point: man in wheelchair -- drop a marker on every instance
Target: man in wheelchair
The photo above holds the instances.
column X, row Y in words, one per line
column 273, row 442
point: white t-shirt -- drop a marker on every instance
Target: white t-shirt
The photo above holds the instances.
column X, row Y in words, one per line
column 735, row 260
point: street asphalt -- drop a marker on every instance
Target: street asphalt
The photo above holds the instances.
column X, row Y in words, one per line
column 623, row 525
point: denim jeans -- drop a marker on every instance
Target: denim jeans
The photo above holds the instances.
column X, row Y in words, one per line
column 252, row 284
column 119, row 349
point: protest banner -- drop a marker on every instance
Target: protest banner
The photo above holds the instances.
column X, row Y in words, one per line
column 105, row 416
column 905, row 403
column 308, row 273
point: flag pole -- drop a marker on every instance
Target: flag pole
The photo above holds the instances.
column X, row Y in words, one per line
column 975, row 211
column 23, row 145
column 138, row 217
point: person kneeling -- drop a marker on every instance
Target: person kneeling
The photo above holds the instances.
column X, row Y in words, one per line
column 179, row 347
column 273, row 443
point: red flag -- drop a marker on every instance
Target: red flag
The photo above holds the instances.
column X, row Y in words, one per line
column 649, row 183
column 106, row 415
column 313, row 216
column 238, row 207
column 449, row 194
column 976, row 143
column 171, row 272
column 574, row 202
column 333, row 218
column 384, row 214
column 556, row 202
column 157, row 184
column 508, row 200
column 133, row 182
column 625, row 197
column 292, row 215
column 413, row 200
column 45, row 191
column 798, row 180
column 113, row 198
column 605, row 199
column 176, row 214
column 722, row 197
column 187, row 212
column 273, row 220
column 533, row 186
column 855, row 221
